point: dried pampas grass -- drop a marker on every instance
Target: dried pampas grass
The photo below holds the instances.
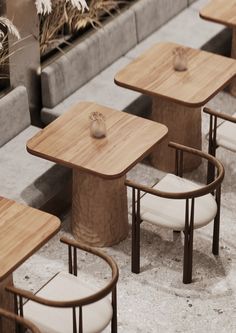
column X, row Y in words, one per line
column 6, row 27
column 4, row 56
column 6, row 23
column 72, row 16
column 79, row 4
column 45, row 6
column 97, row 9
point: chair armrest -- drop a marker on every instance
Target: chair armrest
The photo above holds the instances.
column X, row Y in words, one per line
column 169, row 195
column 64, row 304
column 220, row 115
column 22, row 321
column 30, row 296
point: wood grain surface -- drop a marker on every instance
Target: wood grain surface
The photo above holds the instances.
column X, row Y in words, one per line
column 67, row 141
column 152, row 74
column 220, row 11
column 184, row 127
column 23, row 230
column 232, row 87
column 100, row 219
column 7, row 303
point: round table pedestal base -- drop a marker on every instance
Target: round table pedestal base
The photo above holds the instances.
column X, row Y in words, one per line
column 232, row 86
column 99, row 209
column 184, row 127
column 7, row 303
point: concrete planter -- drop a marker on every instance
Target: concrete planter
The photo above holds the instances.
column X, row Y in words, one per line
column 94, row 52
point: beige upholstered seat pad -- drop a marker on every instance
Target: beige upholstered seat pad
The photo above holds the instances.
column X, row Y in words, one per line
column 170, row 213
column 226, row 135
column 65, row 286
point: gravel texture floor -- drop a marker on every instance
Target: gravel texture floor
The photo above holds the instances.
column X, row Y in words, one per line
column 156, row 300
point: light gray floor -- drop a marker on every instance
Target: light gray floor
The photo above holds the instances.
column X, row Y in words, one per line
column 156, row 301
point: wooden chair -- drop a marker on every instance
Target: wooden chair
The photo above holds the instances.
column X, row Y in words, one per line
column 223, row 135
column 179, row 204
column 68, row 304
column 19, row 321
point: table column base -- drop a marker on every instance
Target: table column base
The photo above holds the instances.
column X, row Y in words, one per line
column 7, row 303
column 184, row 127
column 232, row 86
column 99, row 209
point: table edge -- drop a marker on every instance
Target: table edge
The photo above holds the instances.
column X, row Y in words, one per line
column 11, row 271
column 188, row 104
column 215, row 20
column 104, row 176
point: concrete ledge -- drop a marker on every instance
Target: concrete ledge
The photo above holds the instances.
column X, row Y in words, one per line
column 196, row 32
column 85, row 60
column 103, row 90
column 151, row 14
column 14, row 114
column 117, row 38
column 24, row 177
column 69, row 72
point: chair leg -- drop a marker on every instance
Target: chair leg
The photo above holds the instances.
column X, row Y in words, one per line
column 216, row 228
column 114, row 316
column 212, row 148
column 188, row 244
column 188, row 258
column 210, row 173
column 135, row 245
column 135, row 256
column 20, row 329
column 216, row 236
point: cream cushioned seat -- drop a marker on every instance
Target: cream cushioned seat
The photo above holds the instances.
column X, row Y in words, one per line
column 226, row 135
column 170, row 213
column 65, row 287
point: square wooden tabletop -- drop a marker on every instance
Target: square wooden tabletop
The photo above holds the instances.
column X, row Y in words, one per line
column 67, row 140
column 153, row 74
column 220, row 11
column 23, row 230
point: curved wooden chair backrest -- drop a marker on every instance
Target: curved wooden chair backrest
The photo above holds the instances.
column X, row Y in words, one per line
column 72, row 247
column 205, row 189
column 214, row 115
column 110, row 287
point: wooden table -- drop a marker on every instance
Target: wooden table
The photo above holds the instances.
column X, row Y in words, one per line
column 177, row 96
column 223, row 12
column 99, row 200
column 23, row 230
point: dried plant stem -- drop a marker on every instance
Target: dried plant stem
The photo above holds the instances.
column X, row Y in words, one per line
column 65, row 16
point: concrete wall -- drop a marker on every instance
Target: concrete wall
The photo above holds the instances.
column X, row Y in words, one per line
column 25, row 61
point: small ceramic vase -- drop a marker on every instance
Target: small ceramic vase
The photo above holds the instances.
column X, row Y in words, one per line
column 180, row 62
column 97, row 125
